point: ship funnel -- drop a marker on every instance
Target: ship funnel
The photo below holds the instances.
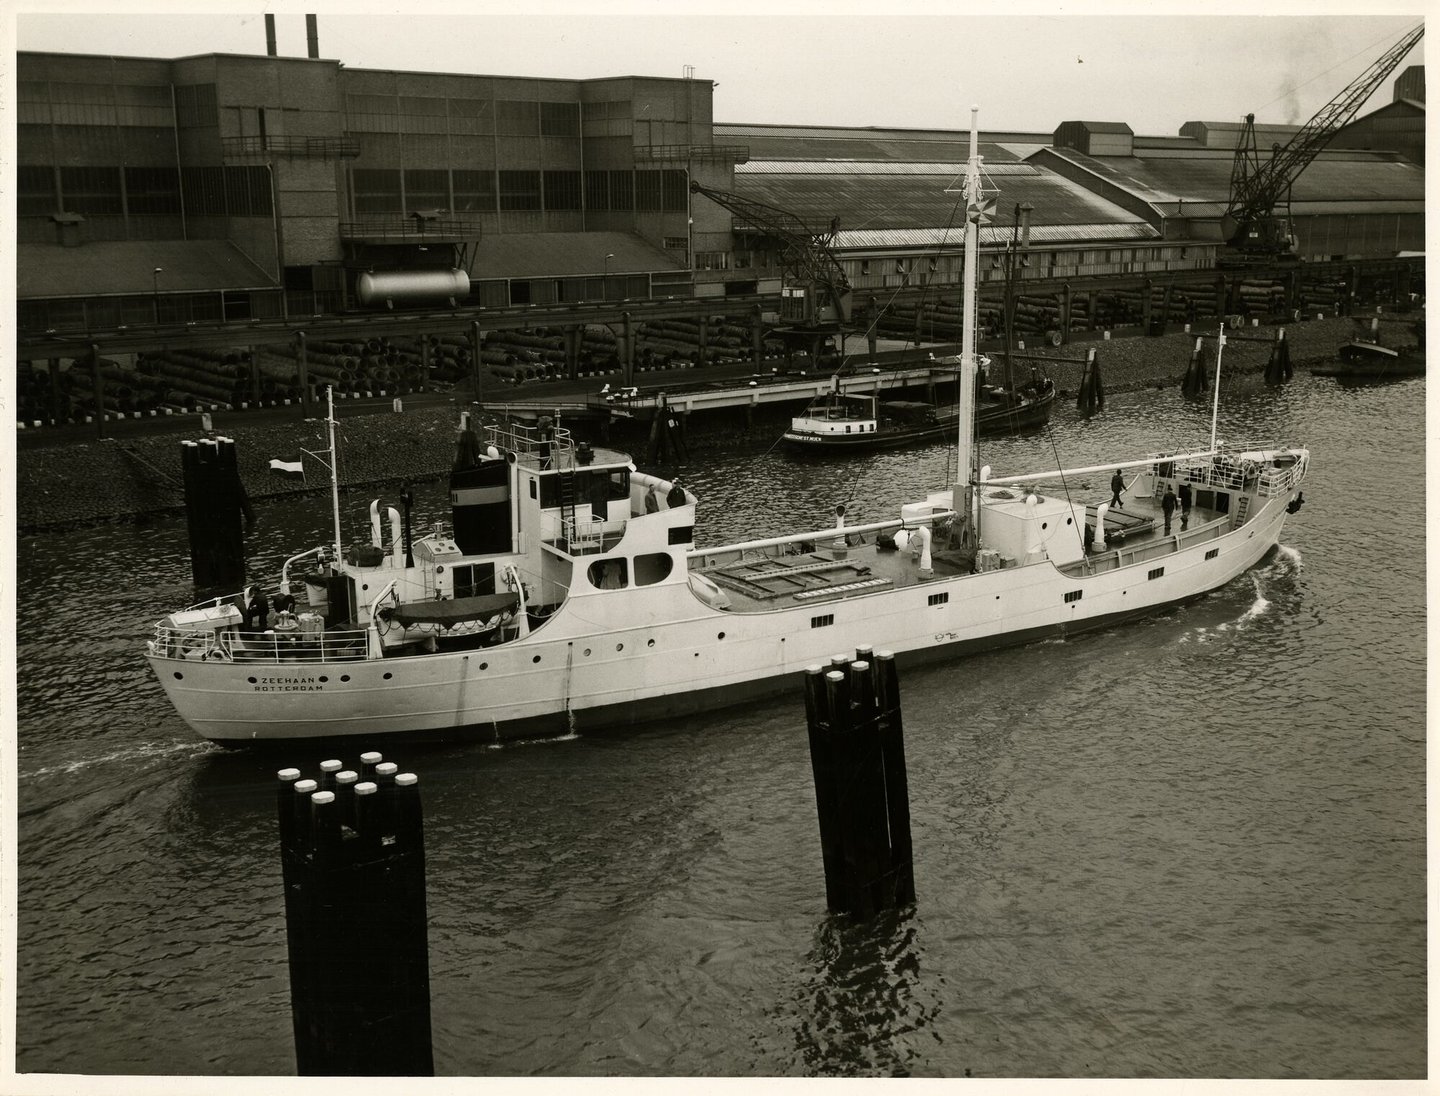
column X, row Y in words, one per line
column 269, row 36
column 312, row 37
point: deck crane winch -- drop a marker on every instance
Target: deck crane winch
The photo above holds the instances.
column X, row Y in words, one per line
column 1254, row 231
column 814, row 294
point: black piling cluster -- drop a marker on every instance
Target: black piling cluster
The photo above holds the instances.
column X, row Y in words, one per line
column 1091, row 397
column 217, row 509
column 1195, row 376
column 857, row 751
column 1278, row 369
column 353, row 857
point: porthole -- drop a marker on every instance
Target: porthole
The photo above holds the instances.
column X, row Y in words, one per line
column 535, row 659
column 344, row 677
column 388, row 675
column 249, row 679
column 181, row 677
column 619, row 646
column 650, row 644
column 323, row 679
column 720, row 636
column 587, row 652
column 484, row 665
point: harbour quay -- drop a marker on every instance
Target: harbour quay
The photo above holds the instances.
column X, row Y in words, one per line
column 69, row 478
column 450, row 233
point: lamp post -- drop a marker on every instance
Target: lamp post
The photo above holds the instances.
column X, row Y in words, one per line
column 606, row 284
column 155, row 285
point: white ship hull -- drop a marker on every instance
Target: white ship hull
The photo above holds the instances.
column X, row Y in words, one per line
column 663, row 652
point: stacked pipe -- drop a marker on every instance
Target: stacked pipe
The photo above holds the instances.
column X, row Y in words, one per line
column 1261, row 297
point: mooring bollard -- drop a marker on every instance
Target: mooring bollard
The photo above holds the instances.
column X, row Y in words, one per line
column 352, row 854
column 857, row 756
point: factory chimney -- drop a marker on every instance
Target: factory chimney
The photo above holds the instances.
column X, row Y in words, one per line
column 269, row 36
column 312, row 36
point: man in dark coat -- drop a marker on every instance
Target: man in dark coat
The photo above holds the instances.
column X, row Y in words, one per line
column 1117, row 484
column 1185, row 506
column 676, row 497
column 1167, row 504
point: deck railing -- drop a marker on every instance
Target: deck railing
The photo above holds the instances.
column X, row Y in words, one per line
column 234, row 646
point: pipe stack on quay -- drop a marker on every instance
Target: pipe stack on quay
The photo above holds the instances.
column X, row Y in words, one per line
column 70, row 483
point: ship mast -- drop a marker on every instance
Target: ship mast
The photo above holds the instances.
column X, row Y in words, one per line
column 966, row 472
column 334, row 466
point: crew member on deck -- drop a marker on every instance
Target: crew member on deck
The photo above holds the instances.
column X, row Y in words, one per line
column 676, row 497
column 1184, row 506
column 1117, row 484
column 652, row 500
column 1167, row 504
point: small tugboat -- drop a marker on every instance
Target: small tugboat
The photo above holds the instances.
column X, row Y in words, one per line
column 1364, row 357
column 568, row 591
column 856, row 422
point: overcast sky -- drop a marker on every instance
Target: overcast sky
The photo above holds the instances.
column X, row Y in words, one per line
column 831, row 63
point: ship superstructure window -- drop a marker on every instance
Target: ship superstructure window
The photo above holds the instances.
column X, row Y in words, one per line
column 822, row 621
column 1074, row 595
column 609, row 574
column 652, row 567
column 938, row 599
column 472, row 579
column 1155, row 573
column 1212, row 553
column 682, row 534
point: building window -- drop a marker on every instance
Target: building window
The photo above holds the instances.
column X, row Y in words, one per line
column 427, row 188
column 474, row 191
column 377, row 190
column 423, row 114
column 517, row 118
column 675, row 192
column 519, row 190
column 35, row 191
column 864, row 266
column 152, row 191
column 676, row 243
column 647, row 191
column 195, row 105
column 470, row 116
column 560, row 119
column 91, row 190
column 622, row 191
column 562, row 190
column 371, row 114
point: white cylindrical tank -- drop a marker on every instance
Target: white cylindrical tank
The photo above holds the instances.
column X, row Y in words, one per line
column 412, row 286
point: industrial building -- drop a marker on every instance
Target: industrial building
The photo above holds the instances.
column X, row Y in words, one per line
column 226, row 187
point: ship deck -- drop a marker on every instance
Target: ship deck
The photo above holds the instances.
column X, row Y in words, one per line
column 826, row 571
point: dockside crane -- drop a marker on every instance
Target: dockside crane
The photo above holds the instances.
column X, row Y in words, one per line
column 1254, row 229
column 814, row 293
